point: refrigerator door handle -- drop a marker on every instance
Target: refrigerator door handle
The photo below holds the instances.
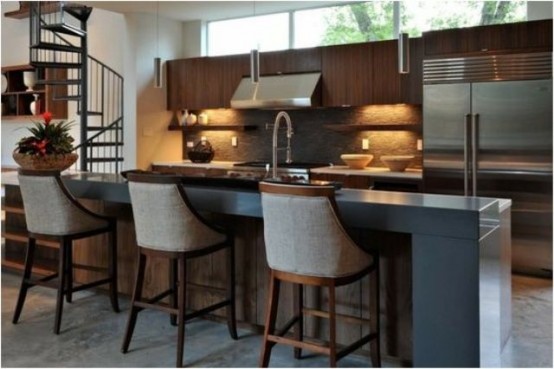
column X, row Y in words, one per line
column 466, row 153
column 474, row 143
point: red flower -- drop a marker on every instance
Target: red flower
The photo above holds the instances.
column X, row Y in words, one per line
column 41, row 146
column 47, row 118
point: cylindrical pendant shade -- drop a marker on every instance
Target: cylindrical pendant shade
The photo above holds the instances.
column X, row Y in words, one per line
column 403, row 53
column 157, row 72
column 254, row 65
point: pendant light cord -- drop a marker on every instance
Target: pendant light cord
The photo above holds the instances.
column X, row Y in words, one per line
column 157, row 28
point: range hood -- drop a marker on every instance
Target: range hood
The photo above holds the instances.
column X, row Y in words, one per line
column 279, row 91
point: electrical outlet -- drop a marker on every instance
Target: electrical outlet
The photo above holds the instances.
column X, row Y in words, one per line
column 190, row 144
column 234, row 141
column 419, row 145
column 203, row 139
column 365, row 143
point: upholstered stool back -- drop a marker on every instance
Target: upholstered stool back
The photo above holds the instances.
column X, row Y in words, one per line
column 50, row 209
column 164, row 220
column 303, row 234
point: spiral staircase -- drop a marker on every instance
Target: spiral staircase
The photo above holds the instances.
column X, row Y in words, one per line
column 58, row 40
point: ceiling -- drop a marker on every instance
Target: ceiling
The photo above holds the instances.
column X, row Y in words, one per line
column 205, row 10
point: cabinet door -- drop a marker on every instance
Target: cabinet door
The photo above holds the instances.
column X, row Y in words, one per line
column 175, row 84
column 411, row 84
column 386, row 79
column 234, row 68
column 203, row 83
column 290, row 61
column 522, row 36
column 347, row 74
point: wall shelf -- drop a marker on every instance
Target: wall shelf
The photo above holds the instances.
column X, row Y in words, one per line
column 374, row 127
column 214, row 127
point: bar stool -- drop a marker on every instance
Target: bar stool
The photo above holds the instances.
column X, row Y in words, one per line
column 168, row 226
column 51, row 211
column 306, row 244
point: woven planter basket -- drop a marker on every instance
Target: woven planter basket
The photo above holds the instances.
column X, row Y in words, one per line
column 47, row 162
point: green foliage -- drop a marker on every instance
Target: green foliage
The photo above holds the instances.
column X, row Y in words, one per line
column 46, row 139
column 373, row 20
column 360, row 22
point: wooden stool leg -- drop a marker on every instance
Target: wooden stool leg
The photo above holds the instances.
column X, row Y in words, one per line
column 182, row 307
column 112, row 268
column 298, row 307
column 69, row 272
column 374, row 316
column 231, row 311
column 62, row 270
column 271, row 317
column 26, row 275
column 174, row 297
column 137, row 296
column 332, row 328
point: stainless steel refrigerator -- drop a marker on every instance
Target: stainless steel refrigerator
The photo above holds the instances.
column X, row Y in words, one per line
column 487, row 130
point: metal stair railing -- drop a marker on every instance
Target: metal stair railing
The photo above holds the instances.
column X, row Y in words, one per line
column 101, row 104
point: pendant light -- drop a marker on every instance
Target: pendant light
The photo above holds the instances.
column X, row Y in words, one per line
column 254, row 57
column 403, row 53
column 157, row 59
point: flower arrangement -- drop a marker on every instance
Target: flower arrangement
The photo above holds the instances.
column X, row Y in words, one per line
column 48, row 138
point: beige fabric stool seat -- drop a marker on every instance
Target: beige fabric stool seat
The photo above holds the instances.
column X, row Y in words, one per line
column 168, row 226
column 306, row 244
column 51, row 211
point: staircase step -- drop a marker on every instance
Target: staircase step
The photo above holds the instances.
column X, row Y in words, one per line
column 103, row 160
column 56, row 47
column 78, row 11
column 67, row 98
column 95, row 129
column 58, row 82
column 42, row 64
column 67, row 29
column 105, row 144
column 92, row 113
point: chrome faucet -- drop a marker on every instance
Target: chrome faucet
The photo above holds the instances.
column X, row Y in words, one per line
column 281, row 114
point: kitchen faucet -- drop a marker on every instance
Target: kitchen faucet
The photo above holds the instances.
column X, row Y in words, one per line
column 281, row 114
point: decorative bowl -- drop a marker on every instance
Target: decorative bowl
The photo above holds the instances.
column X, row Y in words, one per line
column 200, row 157
column 397, row 163
column 356, row 161
column 47, row 162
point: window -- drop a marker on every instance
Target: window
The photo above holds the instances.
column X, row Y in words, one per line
column 345, row 24
column 239, row 36
column 421, row 16
column 355, row 22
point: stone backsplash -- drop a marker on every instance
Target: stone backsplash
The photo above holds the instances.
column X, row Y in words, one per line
column 312, row 140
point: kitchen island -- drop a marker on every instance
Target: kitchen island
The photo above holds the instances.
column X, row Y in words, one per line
column 459, row 261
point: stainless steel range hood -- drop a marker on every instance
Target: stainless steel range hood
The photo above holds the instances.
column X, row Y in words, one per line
column 279, row 91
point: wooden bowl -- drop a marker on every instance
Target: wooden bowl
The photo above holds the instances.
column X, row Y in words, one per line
column 356, row 161
column 397, row 163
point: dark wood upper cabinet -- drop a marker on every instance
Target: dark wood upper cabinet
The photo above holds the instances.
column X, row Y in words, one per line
column 386, row 79
column 347, row 75
column 523, row 36
column 290, row 61
column 411, row 84
column 202, row 83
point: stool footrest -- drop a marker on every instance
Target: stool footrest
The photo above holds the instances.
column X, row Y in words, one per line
column 300, row 344
column 356, row 345
column 346, row 318
column 90, row 285
column 89, row 267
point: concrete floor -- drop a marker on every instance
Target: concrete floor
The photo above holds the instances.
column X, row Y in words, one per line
column 91, row 335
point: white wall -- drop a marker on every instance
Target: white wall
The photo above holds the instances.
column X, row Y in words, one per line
column 194, row 39
column 154, row 141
